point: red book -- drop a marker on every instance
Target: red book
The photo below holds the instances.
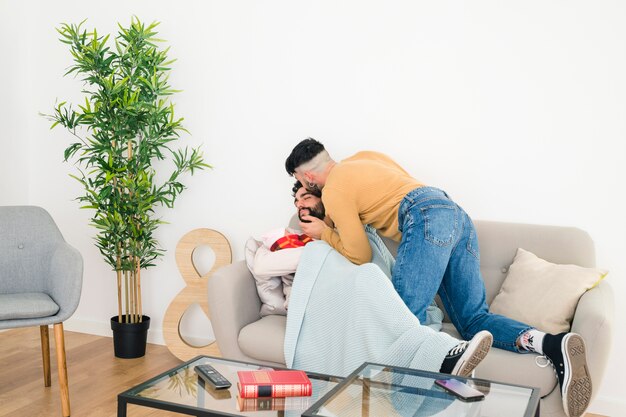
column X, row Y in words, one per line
column 253, row 384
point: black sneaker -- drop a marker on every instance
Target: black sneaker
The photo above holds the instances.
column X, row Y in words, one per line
column 465, row 357
column 567, row 353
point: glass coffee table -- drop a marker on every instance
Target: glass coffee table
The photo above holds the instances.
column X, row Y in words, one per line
column 378, row 390
column 372, row 390
column 181, row 391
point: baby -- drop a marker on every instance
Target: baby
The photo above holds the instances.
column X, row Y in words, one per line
column 273, row 259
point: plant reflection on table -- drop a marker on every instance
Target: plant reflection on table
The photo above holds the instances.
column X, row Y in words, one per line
column 183, row 380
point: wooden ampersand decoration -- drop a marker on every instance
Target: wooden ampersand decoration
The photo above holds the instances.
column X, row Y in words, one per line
column 195, row 291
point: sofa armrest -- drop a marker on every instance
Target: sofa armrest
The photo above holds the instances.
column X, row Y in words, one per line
column 594, row 322
column 233, row 304
column 64, row 283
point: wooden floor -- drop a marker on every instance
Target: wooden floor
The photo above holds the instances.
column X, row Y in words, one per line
column 95, row 376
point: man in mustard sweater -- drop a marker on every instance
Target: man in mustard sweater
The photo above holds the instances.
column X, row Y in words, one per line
column 438, row 252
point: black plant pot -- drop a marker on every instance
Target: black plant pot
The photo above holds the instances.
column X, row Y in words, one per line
column 129, row 339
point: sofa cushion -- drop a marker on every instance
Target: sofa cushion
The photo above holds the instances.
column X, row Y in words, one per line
column 28, row 305
column 542, row 294
column 264, row 339
column 513, row 368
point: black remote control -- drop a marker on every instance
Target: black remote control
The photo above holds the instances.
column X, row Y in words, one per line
column 209, row 374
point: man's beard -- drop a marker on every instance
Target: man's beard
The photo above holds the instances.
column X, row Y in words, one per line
column 316, row 211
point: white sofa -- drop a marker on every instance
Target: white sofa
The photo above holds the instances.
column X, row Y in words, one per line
column 242, row 334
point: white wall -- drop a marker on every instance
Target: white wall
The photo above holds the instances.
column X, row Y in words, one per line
column 518, row 110
column 14, row 127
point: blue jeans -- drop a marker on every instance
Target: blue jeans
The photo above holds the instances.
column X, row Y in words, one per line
column 439, row 254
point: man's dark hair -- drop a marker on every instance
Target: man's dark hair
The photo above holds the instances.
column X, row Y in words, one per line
column 303, row 152
column 297, row 185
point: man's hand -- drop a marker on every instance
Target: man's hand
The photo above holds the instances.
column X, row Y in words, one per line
column 313, row 227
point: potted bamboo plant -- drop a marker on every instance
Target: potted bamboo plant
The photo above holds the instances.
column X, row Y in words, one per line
column 124, row 126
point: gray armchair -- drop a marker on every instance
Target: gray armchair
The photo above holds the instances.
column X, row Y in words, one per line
column 40, row 281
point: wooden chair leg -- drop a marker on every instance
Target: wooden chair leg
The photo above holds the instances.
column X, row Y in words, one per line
column 45, row 353
column 62, row 367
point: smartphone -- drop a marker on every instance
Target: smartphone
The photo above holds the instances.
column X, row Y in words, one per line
column 460, row 389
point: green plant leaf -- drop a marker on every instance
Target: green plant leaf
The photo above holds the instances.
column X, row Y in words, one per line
column 124, row 125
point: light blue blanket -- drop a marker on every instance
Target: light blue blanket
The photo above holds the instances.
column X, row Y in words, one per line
column 341, row 315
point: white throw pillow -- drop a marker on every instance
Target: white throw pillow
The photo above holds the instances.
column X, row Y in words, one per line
column 542, row 294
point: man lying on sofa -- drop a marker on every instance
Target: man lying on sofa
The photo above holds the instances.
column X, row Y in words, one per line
column 438, row 253
column 274, row 256
column 451, row 355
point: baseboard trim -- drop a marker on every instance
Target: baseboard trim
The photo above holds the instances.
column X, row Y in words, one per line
column 99, row 328
column 607, row 406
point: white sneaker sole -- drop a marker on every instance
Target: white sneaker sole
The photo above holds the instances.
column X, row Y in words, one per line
column 474, row 354
column 576, row 390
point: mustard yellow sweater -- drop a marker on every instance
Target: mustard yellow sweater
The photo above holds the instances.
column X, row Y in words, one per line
column 366, row 188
